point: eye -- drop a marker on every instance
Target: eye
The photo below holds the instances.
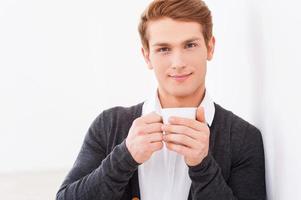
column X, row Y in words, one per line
column 191, row 45
column 163, row 49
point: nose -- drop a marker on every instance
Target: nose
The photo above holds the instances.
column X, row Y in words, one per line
column 177, row 61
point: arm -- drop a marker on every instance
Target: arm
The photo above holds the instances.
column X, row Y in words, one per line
column 94, row 174
column 247, row 176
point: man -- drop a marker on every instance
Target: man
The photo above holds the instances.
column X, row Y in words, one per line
column 219, row 155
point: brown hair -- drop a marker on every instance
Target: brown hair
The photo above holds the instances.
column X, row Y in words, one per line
column 182, row 10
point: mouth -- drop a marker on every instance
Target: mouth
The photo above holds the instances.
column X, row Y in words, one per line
column 180, row 77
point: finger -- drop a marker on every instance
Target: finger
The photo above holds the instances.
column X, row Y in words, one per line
column 155, row 146
column 181, row 140
column 152, row 128
column 180, row 149
column 151, row 118
column 200, row 114
column 179, row 129
column 192, row 123
column 154, row 137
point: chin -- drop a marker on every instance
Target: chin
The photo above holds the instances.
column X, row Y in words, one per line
column 181, row 92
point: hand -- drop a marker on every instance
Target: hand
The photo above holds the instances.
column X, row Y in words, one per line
column 145, row 137
column 188, row 137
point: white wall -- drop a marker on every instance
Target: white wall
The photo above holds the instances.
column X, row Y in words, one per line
column 63, row 62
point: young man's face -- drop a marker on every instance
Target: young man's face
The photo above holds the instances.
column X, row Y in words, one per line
column 178, row 55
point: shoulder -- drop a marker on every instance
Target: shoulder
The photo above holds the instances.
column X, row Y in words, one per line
column 118, row 114
column 234, row 123
column 123, row 113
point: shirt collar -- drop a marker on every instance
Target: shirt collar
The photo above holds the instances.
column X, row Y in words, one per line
column 152, row 104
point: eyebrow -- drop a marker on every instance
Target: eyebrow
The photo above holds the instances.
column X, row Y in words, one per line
column 184, row 42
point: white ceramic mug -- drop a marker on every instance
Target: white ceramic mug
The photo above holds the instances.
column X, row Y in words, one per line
column 186, row 112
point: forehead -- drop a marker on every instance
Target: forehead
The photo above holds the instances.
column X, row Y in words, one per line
column 172, row 31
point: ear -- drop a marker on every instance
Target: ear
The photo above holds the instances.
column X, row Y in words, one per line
column 210, row 49
column 145, row 54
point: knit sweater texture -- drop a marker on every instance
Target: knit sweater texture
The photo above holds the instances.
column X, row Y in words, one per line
column 105, row 170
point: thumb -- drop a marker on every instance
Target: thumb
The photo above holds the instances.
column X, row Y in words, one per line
column 200, row 114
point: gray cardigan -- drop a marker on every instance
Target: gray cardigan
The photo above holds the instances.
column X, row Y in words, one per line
column 105, row 170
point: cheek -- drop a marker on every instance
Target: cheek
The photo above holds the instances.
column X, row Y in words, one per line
column 160, row 65
column 198, row 60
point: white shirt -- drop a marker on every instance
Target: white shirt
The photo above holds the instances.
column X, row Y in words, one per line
column 165, row 175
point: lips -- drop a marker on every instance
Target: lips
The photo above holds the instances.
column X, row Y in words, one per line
column 180, row 77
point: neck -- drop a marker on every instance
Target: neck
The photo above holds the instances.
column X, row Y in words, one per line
column 193, row 100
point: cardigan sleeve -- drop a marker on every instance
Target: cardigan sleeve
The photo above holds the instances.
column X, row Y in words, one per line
column 95, row 174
